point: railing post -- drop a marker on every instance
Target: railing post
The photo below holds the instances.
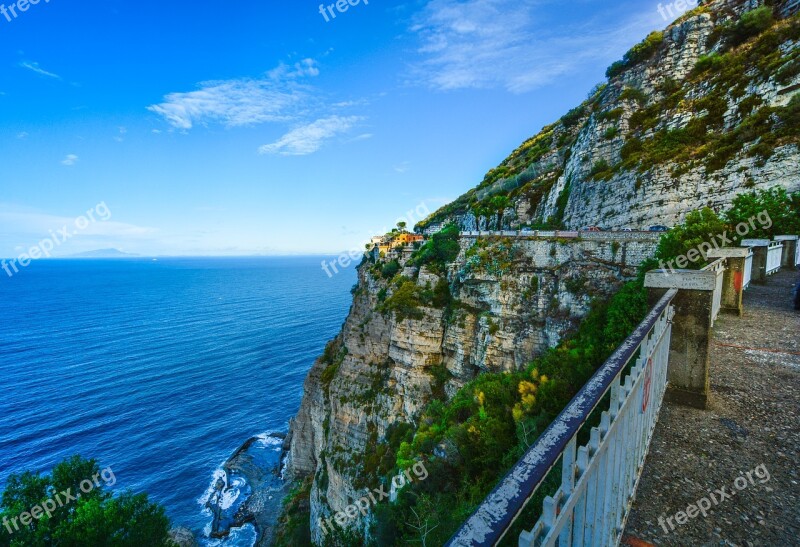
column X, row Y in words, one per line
column 733, row 281
column 760, row 250
column 790, row 250
column 691, row 332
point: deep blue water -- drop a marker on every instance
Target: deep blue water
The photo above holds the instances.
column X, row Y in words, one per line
column 158, row 369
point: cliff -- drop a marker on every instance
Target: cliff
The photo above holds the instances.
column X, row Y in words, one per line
column 691, row 117
column 507, row 300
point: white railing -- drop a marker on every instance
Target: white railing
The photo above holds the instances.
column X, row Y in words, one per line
column 774, row 257
column 718, row 267
column 747, row 275
column 797, row 254
column 599, row 479
column 566, row 234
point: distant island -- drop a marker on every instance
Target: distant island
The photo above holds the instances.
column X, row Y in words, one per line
column 104, row 253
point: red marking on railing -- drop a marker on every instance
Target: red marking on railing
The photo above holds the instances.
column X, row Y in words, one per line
column 738, row 281
column 648, row 380
column 635, row 542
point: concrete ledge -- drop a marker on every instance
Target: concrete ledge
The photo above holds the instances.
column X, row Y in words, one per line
column 695, row 280
column 787, row 238
column 756, row 242
column 729, row 252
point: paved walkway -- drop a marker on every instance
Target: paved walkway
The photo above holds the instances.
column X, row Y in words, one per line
column 753, row 424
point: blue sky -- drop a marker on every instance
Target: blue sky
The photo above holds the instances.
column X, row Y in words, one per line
column 248, row 127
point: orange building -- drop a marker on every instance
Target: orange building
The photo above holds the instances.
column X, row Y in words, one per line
column 405, row 239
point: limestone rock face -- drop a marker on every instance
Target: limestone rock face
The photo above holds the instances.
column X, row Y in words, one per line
column 381, row 370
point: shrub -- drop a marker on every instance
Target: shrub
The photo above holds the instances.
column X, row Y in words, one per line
column 638, row 53
column 634, row 94
column 572, row 117
column 611, row 115
column 752, row 23
column 405, row 302
column 439, row 250
column 712, row 61
column 390, row 269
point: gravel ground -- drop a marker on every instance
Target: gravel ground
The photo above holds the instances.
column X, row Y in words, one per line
column 753, row 422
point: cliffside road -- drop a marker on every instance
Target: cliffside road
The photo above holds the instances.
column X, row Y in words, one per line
column 753, row 426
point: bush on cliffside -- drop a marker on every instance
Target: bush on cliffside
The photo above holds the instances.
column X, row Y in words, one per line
column 638, row 53
column 439, row 250
column 751, row 23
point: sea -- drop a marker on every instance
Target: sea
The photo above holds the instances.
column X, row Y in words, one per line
column 160, row 368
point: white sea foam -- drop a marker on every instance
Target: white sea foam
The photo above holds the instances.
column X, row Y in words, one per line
column 266, row 441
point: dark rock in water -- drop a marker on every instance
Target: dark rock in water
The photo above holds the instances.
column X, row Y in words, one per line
column 183, row 537
column 267, row 489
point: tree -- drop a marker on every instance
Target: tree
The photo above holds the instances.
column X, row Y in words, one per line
column 697, row 231
column 94, row 518
column 401, row 226
column 782, row 208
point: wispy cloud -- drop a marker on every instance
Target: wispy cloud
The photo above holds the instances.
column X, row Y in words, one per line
column 25, row 226
column 273, row 98
column 70, row 160
column 38, row 70
column 513, row 44
column 309, row 138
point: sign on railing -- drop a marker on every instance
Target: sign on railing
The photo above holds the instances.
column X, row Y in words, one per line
column 598, row 479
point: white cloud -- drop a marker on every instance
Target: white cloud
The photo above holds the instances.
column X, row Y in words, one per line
column 23, row 135
column 275, row 97
column 512, row 44
column 38, row 70
column 70, row 160
column 308, row 138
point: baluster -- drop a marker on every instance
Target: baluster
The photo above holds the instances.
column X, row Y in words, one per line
column 567, row 488
column 592, row 486
column 579, row 513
